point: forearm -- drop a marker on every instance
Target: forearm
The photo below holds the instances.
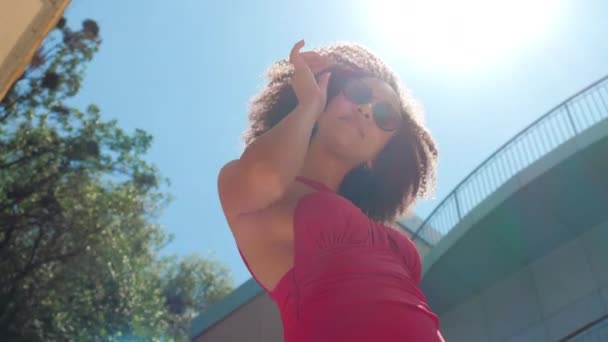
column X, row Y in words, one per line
column 278, row 155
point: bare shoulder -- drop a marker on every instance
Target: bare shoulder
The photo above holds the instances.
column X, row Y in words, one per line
column 265, row 238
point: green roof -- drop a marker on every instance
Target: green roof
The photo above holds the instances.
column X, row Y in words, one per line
column 243, row 294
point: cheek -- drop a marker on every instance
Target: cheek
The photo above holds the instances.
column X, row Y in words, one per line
column 339, row 106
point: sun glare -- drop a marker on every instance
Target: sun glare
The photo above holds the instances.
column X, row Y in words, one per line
column 459, row 34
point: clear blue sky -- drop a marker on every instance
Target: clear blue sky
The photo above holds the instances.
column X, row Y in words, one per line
column 185, row 70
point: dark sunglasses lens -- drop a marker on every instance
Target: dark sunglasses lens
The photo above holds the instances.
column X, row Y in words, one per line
column 358, row 92
column 386, row 117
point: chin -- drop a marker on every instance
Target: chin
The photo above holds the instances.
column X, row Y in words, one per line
column 345, row 145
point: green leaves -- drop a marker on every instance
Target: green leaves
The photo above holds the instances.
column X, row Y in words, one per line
column 189, row 287
column 79, row 239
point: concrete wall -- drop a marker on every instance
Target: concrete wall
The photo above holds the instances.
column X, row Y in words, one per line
column 257, row 321
column 544, row 301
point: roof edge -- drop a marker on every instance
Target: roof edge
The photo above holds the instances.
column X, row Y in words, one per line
column 220, row 310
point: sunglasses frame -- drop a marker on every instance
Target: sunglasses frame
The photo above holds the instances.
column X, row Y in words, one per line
column 349, row 96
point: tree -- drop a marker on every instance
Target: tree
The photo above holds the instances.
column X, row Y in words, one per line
column 189, row 286
column 79, row 240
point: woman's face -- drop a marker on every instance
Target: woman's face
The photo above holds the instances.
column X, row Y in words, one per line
column 349, row 130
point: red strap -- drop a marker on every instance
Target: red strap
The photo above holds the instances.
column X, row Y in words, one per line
column 313, row 184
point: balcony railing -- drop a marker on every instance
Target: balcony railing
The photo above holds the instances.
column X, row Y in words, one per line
column 564, row 122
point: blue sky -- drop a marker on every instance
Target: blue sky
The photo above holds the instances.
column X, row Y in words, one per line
column 185, row 70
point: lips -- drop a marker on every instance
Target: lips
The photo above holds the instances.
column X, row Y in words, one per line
column 357, row 125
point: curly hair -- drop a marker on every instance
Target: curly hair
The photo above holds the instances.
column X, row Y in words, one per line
column 403, row 170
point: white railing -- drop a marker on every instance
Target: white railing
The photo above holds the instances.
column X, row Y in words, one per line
column 569, row 119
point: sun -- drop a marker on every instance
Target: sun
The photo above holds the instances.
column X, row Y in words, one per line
column 459, row 34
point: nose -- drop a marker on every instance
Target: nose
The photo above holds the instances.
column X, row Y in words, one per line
column 366, row 110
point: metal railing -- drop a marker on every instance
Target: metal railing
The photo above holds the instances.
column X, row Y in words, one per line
column 562, row 123
column 596, row 331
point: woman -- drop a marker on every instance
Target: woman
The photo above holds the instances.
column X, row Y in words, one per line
column 336, row 151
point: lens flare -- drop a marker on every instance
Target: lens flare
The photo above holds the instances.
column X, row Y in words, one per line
column 460, row 34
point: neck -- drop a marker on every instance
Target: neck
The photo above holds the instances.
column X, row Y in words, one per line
column 332, row 171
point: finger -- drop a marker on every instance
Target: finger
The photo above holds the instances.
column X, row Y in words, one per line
column 324, row 81
column 294, row 56
column 321, row 67
column 316, row 62
column 311, row 56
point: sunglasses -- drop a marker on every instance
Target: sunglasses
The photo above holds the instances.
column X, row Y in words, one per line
column 385, row 115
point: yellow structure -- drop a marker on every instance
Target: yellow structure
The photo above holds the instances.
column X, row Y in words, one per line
column 23, row 26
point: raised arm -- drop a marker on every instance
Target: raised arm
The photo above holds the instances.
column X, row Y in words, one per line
column 269, row 164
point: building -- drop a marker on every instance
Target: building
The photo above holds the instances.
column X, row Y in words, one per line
column 526, row 256
column 517, row 252
column 24, row 24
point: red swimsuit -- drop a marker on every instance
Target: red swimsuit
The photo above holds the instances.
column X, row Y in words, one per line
column 353, row 279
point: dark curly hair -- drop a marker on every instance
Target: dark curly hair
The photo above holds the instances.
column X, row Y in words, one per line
column 403, row 170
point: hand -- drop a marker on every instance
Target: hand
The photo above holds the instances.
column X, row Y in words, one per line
column 308, row 90
column 316, row 62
